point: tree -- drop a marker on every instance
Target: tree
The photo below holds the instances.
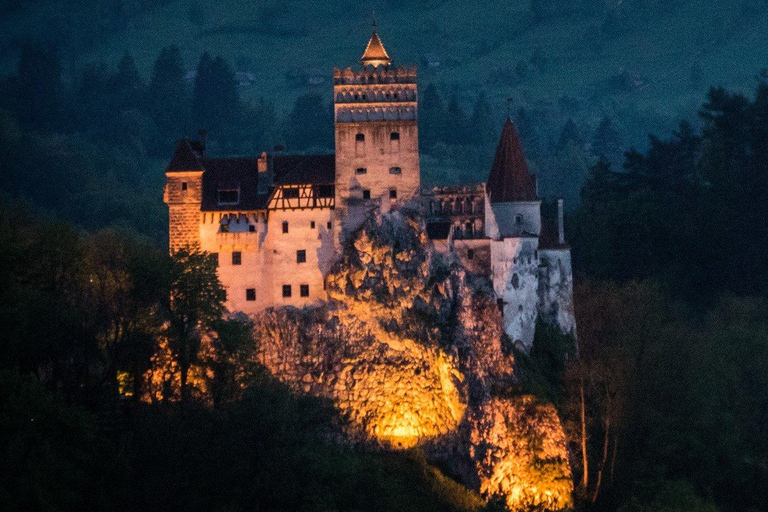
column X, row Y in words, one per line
column 482, row 123
column 169, row 103
column 431, row 118
column 195, row 305
column 309, row 124
column 39, row 91
column 215, row 100
column 456, row 123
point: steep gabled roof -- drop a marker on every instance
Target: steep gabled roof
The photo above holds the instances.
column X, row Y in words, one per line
column 187, row 157
column 231, row 173
column 304, row 169
column 375, row 55
column 510, row 180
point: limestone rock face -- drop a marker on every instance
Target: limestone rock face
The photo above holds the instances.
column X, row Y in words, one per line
column 409, row 350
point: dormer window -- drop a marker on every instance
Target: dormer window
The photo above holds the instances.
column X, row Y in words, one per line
column 229, row 195
column 290, row 193
column 519, row 219
column 360, row 137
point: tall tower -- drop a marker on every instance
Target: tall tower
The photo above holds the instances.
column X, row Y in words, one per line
column 377, row 140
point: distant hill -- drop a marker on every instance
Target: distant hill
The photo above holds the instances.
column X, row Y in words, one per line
column 643, row 63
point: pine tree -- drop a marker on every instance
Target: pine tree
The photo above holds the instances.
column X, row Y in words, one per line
column 168, row 97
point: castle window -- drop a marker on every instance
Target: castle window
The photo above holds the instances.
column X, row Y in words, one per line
column 396, row 95
column 366, row 194
column 470, row 254
column 290, row 193
column 330, row 225
column 468, row 229
column 286, row 290
column 515, row 281
column 251, row 228
column 224, row 227
column 301, row 256
column 395, row 170
column 325, row 191
column 229, row 196
column 360, row 137
column 365, row 97
column 357, row 96
column 250, row 294
column 304, row 290
column 394, row 136
column 393, row 193
column 361, row 170
column 312, row 225
column 237, row 258
column 285, row 226
column 519, row 218
column 183, row 185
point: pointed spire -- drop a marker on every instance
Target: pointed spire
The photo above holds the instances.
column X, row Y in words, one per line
column 375, row 55
column 510, row 180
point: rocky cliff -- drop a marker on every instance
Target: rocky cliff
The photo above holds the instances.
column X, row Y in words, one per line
column 409, row 349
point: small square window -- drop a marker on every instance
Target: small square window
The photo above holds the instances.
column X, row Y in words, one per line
column 237, row 258
column 359, row 137
column 183, row 185
column 366, row 194
column 215, row 257
column 301, row 256
column 394, row 136
column 395, row 170
column 286, row 290
column 304, row 290
column 329, row 225
column 285, row 226
column 393, row 193
column 361, row 170
column 250, row 294
column 291, row 193
column 251, row 228
column 470, row 254
column 312, row 225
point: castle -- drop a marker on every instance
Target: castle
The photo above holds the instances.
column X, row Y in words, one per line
column 278, row 222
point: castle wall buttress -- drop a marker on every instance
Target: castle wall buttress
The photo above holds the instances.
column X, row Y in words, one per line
column 183, row 194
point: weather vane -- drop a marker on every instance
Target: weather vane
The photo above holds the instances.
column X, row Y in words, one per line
column 373, row 17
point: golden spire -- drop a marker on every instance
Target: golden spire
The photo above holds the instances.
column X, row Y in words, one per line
column 375, row 55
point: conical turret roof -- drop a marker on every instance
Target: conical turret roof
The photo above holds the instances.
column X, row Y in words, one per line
column 510, row 180
column 375, row 55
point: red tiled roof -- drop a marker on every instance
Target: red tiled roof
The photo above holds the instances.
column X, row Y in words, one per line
column 510, row 180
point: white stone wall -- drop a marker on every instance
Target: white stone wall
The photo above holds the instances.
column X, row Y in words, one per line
column 556, row 289
column 317, row 242
column 514, row 219
column 514, row 271
column 236, row 279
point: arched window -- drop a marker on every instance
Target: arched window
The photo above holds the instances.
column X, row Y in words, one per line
column 515, row 281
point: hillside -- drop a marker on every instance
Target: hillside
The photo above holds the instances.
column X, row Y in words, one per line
column 661, row 53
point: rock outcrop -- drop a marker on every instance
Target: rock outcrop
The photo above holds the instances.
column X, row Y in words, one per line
column 409, row 349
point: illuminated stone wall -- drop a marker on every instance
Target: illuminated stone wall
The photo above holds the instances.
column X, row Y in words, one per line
column 409, row 349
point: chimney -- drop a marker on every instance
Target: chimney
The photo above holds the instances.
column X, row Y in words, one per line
column 560, row 226
column 262, row 164
column 203, row 138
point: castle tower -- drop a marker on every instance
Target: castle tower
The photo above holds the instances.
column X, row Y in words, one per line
column 183, row 194
column 513, row 223
column 377, row 142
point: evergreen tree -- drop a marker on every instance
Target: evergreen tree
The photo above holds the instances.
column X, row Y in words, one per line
column 215, row 100
column 431, row 118
column 482, row 123
column 309, row 124
column 456, row 123
column 168, row 105
column 606, row 141
column 39, row 93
